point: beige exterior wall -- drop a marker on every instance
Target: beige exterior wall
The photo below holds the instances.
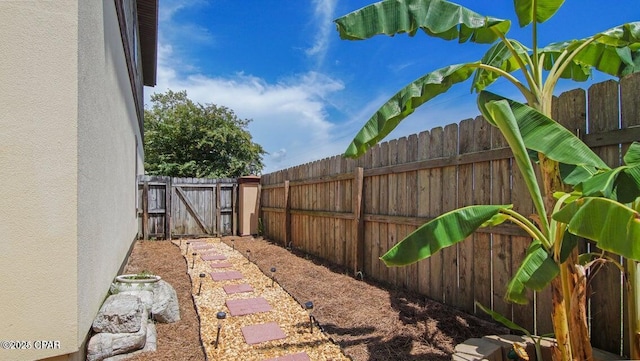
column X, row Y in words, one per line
column 68, row 157
column 107, row 153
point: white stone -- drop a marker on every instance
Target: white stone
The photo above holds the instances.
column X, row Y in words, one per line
column 145, row 296
column 165, row 303
column 104, row 345
column 476, row 349
column 149, row 346
column 506, row 343
column 120, row 313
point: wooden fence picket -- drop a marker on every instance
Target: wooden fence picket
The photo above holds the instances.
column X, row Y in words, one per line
column 351, row 216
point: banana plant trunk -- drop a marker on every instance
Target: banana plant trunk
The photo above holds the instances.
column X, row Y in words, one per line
column 569, row 314
column 633, row 297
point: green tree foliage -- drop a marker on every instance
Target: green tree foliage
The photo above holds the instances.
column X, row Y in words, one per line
column 187, row 139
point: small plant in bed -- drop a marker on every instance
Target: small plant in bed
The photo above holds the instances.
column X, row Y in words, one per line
column 139, row 281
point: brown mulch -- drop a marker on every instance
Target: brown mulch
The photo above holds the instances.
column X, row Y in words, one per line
column 366, row 320
column 179, row 340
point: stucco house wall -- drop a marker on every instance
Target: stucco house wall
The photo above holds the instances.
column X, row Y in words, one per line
column 70, row 151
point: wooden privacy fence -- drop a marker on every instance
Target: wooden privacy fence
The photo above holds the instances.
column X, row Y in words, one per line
column 185, row 207
column 350, row 212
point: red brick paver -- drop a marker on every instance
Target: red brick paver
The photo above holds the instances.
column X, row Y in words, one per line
column 230, row 289
column 193, row 243
column 302, row 356
column 262, row 333
column 212, row 257
column 220, row 265
column 248, row 306
column 224, row 276
column 201, row 246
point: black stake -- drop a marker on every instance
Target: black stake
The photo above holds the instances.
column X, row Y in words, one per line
column 309, row 307
column 193, row 262
column 220, row 316
column 273, row 271
column 202, row 276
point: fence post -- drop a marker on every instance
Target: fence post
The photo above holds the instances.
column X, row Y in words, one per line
column 358, row 221
column 145, row 211
column 167, row 208
column 287, row 214
column 234, row 208
column 218, row 222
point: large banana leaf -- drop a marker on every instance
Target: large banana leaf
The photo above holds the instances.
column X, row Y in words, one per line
column 503, row 320
column 544, row 135
column 573, row 174
column 621, row 184
column 628, row 185
column 498, row 56
column 442, row 231
column 574, row 71
column 542, row 10
column 500, row 113
column 404, row 103
column 614, row 51
column 535, row 272
column 614, row 226
column 605, row 184
column 438, row 18
column 632, row 156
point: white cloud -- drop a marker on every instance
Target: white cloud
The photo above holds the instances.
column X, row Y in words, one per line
column 169, row 8
column 323, row 13
column 279, row 155
column 289, row 117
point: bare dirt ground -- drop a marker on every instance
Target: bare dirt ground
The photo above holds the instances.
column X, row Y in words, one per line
column 366, row 320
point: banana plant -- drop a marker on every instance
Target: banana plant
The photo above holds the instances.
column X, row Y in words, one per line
column 552, row 255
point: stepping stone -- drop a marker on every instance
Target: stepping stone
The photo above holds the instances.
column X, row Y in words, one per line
column 209, row 251
column 262, row 333
column 248, row 306
column 197, row 243
column 302, row 356
column 212, row 257
column 202, row 246
column 220, row 265
column 224, row 276
column 231, row 289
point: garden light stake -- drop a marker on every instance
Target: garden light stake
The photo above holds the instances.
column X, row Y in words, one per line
column 193, row 261
column 202, row 276
column 309, row 307
column 273, row 271
column 220, row 316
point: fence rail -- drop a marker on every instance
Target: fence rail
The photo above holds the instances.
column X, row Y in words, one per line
column 350, row 212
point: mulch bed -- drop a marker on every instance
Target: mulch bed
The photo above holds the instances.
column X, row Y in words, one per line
column 179, row 340
column 368, row 321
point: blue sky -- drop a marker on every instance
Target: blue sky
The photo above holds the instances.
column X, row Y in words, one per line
column 283, row 65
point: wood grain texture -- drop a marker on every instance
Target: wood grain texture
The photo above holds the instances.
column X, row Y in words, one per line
column 606, row 285
column 409, row 181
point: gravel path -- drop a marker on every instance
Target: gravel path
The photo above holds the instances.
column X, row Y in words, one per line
column 368, row 321
column 286, row 312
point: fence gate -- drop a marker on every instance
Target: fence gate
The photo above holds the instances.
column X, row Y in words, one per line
column 186, row 207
